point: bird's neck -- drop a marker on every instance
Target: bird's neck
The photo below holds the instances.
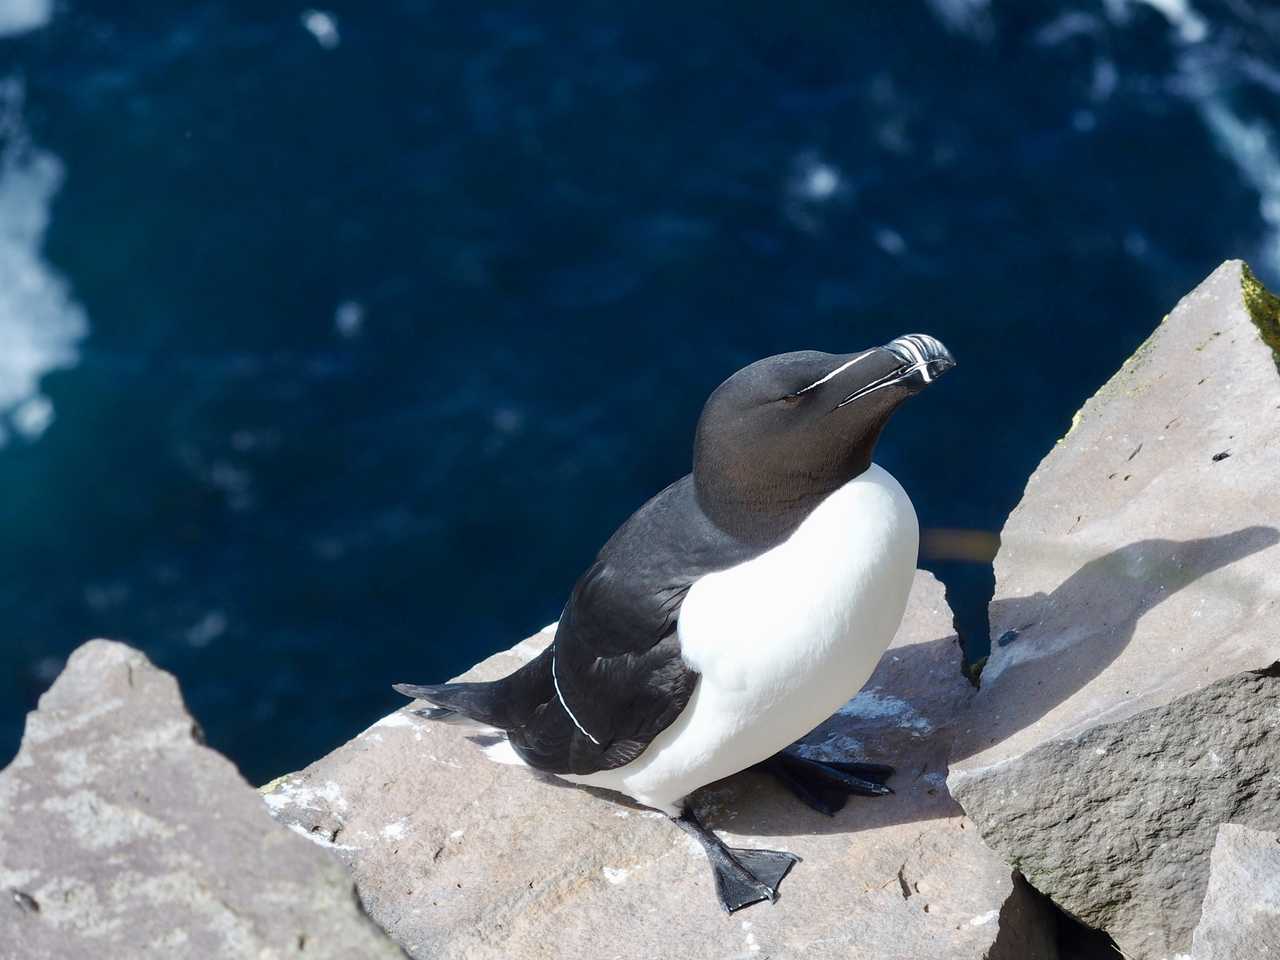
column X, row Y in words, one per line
column 763, row 508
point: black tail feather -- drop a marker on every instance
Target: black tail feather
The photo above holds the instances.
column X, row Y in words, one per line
column 482, row 702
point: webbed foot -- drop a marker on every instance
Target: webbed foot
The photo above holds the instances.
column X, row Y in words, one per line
column 743, row 875
column 825, row 785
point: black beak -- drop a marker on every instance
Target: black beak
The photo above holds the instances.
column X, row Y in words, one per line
column 920, row 360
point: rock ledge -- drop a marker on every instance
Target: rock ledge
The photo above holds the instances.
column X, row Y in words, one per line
column 458, row 856
column 122, row 836
column 1129, row 704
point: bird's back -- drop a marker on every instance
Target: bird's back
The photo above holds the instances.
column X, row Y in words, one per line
column 614, row 678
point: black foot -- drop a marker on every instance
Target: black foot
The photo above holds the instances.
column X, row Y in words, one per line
column 826, row 785
column 743, row 876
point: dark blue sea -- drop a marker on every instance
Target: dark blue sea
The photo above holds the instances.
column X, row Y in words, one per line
column 333, row 342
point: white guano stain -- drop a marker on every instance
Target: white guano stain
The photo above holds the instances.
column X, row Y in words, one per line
column 331, row 793
column 291, row 793
column 875, row 705
column 397, row 719
column 319, row 839
column 616, row 875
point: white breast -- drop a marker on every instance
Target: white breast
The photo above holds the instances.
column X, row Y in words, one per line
column 782, row 641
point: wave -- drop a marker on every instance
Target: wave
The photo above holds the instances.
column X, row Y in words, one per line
column 323, row 26
column 965, row 16
column 1207, row 76
column 41, row 325
column 1212, row 63
column 21, row 16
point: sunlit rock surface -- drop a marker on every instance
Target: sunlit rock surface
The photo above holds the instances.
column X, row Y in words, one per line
column 121, row 836
column 1129, row 705
column 459, row 856
column 1241, row 913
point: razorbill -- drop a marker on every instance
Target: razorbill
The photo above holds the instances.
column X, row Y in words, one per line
column 736, row 610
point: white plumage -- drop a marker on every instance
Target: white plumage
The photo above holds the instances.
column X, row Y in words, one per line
column 781, row 641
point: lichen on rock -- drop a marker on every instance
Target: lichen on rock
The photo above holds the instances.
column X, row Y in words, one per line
column 1264, row 309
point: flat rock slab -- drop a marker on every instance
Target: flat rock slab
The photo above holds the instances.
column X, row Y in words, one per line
column 122, row 836
column 459, row 856
column 1240, row 919
column 1127, row 708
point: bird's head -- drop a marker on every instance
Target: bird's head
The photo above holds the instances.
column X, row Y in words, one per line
column 782, row 433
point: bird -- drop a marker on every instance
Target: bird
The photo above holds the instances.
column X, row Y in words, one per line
column 735, row 611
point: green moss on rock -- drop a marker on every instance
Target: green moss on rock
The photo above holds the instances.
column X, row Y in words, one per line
column 1264, row 309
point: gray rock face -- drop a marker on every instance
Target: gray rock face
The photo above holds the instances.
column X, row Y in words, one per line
column 121, row 836
column 1240, row 919
column 1122, row 716
column 459, row 856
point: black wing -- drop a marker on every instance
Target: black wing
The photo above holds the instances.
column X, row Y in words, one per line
column 613, row 678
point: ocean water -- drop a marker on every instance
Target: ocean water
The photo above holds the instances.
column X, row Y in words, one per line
column 333, row 342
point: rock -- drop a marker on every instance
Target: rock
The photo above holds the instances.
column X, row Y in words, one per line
column 458, row 856
column 1240, row 919
column 122, row 836
column 1129, row 705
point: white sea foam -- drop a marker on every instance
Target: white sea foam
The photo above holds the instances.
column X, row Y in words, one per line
column 1204, row 78
column 322, row 25
column 40, row 323
column 964, row 16
column 1067, row 26
column 814, row 179
column 348, row 319
column 890, row 241
column 813, row 184
column 1183, row 17
column 21, row 16
column 207, row 629
column 820, row 181
column 1252, row 148
column 1249, row 144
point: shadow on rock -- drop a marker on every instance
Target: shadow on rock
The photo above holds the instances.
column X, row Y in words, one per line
column 909, row 710
column 1087, row 622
